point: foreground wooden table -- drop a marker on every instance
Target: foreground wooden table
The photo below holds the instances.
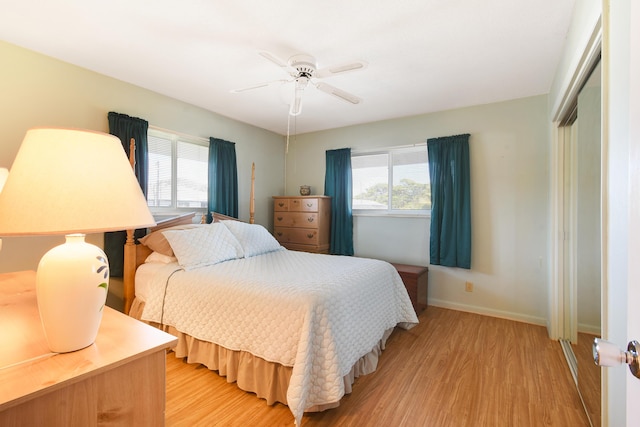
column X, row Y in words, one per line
column 118, row 380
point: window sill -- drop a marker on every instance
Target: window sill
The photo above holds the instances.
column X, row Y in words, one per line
column 391, row 215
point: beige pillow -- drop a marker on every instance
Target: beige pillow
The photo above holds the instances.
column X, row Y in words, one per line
column 158, row 243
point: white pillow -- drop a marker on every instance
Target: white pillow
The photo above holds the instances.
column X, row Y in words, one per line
column 199, row 247
column 254, row 238
column 158, row 243
column 157, row 257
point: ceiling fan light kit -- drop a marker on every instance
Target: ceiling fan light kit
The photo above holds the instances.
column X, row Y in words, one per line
column 303, row 69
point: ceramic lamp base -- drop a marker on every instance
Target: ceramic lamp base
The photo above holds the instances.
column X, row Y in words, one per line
column 71, row 287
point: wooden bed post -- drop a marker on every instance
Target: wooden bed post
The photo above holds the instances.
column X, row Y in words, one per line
column 252, row 200
column 129, row 266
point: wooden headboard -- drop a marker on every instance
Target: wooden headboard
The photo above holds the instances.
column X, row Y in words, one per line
column 136, row 254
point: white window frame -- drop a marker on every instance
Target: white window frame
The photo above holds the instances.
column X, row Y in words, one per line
column 389, row 212
column 175, row 137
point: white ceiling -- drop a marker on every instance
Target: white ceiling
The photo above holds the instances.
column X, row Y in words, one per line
column 422, row 55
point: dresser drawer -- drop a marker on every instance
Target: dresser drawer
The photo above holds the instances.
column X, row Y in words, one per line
column 296, row 235
column 295, row 219
column 281, row 205
column 303, row 205
column 295, row 205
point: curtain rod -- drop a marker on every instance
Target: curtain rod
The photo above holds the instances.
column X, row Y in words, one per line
column 396, row 147
column 186, row 135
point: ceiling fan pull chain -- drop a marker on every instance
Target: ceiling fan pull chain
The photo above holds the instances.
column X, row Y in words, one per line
column 286, row 150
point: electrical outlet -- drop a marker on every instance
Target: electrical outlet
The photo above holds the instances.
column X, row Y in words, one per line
column 468, row 286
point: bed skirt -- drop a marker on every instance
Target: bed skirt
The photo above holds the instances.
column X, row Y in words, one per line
column 268, row 380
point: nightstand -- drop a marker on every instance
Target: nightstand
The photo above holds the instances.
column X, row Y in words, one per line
column 415, row 279
column 119, row 379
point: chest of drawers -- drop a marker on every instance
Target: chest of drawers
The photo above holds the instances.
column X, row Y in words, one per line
column 302, row 223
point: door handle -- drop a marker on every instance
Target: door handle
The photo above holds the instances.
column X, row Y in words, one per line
column 606, row 353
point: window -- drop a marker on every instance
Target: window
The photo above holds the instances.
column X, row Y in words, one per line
column 394, row 181
column 178, row 172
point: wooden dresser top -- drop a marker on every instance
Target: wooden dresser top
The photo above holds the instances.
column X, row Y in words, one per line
column 29, row 368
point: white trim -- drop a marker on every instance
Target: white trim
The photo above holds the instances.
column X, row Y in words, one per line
column 395, row 214
column 556, row 291
column 590, row 329
column 571, row 304
column 556, row 298
column 587, row 61
column 508, row 315
column 186, row 136
column 365, row 151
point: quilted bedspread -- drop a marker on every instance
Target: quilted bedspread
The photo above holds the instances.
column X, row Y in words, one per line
column 318, row 314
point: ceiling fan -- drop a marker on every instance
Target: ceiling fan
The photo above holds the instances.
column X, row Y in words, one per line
column 303, row 70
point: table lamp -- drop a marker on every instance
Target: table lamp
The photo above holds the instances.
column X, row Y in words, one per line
column 71, row 182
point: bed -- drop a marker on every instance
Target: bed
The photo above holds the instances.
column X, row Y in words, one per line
column 291, row 327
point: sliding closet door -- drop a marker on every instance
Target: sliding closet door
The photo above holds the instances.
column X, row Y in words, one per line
column 589, row 240
column 581, row 136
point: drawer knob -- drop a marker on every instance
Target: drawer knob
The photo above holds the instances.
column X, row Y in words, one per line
column 310, row 235
column 310, row 219
column 279, row 234
column 309, row 205
column 281, row 204
column 279, row 218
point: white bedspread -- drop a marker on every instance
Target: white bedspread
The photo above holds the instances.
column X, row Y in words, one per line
column 316, row 313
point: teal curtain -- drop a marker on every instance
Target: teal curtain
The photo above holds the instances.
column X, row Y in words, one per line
column 223, row 178
column 337, row 184
column 450, row 243
column 125, row 128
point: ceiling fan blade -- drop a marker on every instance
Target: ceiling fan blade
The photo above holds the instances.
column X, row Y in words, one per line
column 258, row 86
column 332, row 90
column 273, row 58
column 340, row 69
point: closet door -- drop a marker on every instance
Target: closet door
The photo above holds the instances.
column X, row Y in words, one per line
column 583, row 244
column 589, row 240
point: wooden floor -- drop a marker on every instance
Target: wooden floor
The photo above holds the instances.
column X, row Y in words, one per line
column 453, row 369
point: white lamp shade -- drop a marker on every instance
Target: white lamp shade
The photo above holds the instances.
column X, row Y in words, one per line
column 71, row 181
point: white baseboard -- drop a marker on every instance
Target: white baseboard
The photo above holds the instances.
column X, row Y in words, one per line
column 518, row 317
column 590, row 329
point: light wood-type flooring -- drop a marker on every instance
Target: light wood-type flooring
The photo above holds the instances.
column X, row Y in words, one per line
column 453, row 369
